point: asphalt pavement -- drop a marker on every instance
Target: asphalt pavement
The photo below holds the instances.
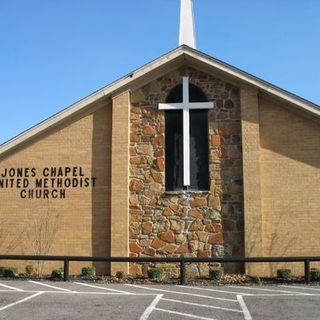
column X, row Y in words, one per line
column 39, row 300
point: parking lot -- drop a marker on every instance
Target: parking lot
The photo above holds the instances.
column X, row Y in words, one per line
column 84, row 300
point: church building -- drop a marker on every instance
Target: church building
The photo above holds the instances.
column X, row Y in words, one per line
column 186, row 155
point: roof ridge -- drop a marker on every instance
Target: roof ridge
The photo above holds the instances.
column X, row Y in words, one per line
column 116, row 85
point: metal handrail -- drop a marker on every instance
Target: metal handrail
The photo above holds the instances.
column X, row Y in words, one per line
column 181, row 260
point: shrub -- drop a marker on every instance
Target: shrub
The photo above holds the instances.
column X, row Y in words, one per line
column 119, row 274
column 216, row 274
column 284, row 274
column 10, row 272
column 315, row 275
column 1, row 271
column 29, row 269
column 155, row 273
column 57, row 274
column 88, row 271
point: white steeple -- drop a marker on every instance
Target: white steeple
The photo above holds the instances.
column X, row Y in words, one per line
column 187, row 30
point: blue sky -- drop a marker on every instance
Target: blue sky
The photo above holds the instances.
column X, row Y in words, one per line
column 55, row 52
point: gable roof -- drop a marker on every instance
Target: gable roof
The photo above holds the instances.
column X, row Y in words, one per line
column 182, row 54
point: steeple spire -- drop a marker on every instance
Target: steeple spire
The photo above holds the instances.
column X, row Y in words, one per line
column 187, row 30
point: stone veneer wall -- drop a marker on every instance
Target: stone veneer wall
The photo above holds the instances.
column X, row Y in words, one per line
column 196, row 224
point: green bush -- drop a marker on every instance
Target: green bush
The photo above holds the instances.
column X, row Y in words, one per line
column 315, row 275
column 120, row 274
column 57, row 274
column 9, row 272
column 1, row 271
column 216, row 274
column 29, row 269
column 88, row 271
column 155, row 273
column 284, row 274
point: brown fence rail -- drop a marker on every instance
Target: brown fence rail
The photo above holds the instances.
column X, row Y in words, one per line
column 181, row 260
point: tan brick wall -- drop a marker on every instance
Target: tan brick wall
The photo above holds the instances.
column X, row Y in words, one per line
column 251, row 176
column 76, row 225
column 290, row 183
column 120, row 180
column 281, row 183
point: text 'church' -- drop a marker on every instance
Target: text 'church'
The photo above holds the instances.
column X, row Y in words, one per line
column 186, row 155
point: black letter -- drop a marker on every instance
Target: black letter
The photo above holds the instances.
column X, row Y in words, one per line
column 33, row 172
column 25, row 183
column 67, row 170
column 45, row 194
column 4, row 174
column 38, row 183
column 45, row 172
column 80, row 172
column 62, row 194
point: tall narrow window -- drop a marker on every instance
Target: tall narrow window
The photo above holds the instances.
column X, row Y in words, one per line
column 199, row 167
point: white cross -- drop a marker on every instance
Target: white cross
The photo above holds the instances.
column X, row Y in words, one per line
column 185, row 106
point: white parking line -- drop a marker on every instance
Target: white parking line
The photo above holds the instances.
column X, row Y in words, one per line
column 303, row 288
column 261, row 289
column 102, row 288
column 279, row 294
column 20, row 301
column 49, row 286
column 247, row 315
column 213, row 290
column 183, row 314
column 78, row 292
column 182, row 293
column 9, row 287
column 201, row 305
column 151, row 307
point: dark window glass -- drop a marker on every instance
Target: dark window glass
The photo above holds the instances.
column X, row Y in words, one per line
column 174, row 150
column 199, row 169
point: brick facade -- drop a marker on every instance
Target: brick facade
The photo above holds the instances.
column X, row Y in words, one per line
column 120, row 180
column 264, row 164
column 290, row 183
column 78, row 224
column 251, row 176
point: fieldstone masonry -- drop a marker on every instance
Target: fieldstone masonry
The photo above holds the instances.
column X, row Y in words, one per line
column 199, row 223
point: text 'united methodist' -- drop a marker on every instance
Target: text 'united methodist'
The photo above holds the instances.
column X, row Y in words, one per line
column 45, row 183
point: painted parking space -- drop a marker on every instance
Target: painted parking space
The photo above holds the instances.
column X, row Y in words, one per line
column 78, row 306
column 244, row 297
column 8, row 298
column 7, row 286
column 81, row 300
column 284, row 307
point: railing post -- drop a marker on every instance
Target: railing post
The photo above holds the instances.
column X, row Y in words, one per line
column 66, row 270
column 182, row 271
column 307, row 271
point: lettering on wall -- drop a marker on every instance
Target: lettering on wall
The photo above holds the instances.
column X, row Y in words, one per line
column 47, row 183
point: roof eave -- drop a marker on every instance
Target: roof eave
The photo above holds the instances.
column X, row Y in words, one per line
column 118, row 85
column 249, row 79
column 80, row 105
